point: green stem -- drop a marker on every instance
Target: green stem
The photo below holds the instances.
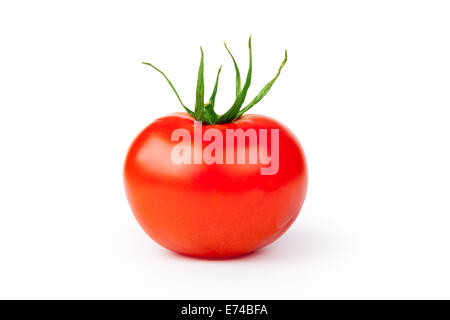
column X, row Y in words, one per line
column 205, row 112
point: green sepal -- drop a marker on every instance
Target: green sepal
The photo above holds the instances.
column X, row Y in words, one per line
column 231, row 114
column 173, row 88
column 238, row 74
column 265, row 90
column 210, row 115
column 200, row 92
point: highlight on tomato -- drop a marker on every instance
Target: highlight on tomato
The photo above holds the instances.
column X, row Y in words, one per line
column 216, row 186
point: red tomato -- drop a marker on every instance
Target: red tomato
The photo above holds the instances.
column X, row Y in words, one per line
column 213, row 210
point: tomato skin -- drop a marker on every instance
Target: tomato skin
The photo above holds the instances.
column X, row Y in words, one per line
column 212, row 210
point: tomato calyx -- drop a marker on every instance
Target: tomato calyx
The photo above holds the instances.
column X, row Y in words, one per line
column 204, row 112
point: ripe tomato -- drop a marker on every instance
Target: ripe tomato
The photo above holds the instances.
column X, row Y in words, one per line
column 222, row 193
column 213, row 210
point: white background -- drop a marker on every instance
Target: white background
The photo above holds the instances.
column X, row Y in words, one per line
column 366, row 89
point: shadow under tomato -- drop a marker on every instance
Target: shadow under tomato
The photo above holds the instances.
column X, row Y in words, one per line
column 237, row 257
column 294, row 245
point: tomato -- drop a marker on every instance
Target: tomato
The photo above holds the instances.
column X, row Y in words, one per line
column 213, row 210
column 210, row 185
